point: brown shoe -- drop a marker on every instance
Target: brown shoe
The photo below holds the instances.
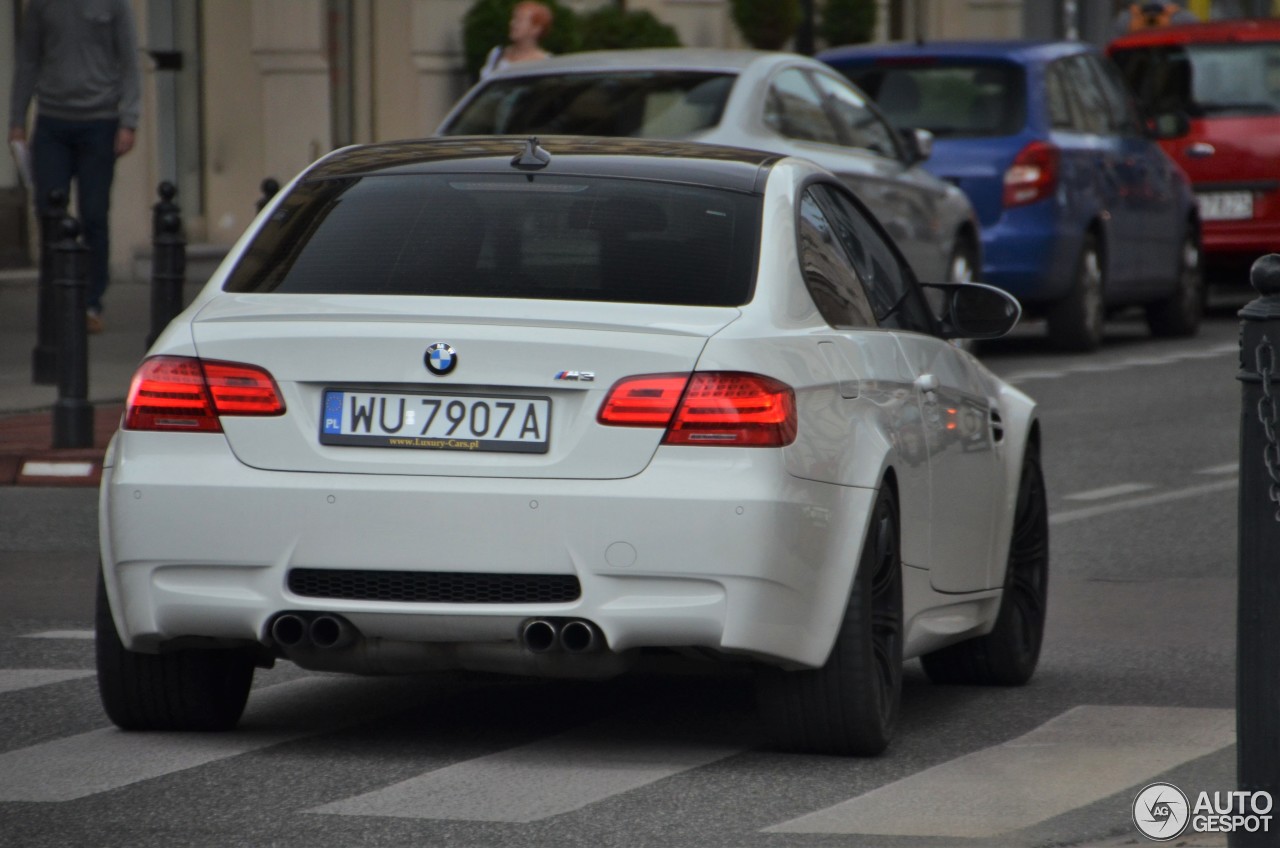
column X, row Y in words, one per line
column 93, row 323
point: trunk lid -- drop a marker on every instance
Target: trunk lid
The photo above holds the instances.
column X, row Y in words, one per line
column 553, row 362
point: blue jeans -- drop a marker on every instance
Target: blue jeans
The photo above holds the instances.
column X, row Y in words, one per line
column 84, row 151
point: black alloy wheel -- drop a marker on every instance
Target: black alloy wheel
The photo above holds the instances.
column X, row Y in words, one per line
column 1077, row 321
column 193, row 689
column 1008, row 655
column 1178, row 315
column 850, row 705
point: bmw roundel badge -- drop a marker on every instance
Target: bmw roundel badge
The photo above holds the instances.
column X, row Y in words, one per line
column 441, row 359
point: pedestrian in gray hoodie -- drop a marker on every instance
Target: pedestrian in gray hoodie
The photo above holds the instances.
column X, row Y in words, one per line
column 79, row 59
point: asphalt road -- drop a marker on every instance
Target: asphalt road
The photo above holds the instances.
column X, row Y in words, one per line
column 1135, row 684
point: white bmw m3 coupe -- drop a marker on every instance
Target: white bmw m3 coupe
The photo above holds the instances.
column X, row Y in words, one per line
column 548, row 407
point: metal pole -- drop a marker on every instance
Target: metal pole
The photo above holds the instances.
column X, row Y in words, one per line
column 269, row 188
column 1257, row 624
column 72, row 414
column 44, row 356
column 806, row 34
column 168, row 261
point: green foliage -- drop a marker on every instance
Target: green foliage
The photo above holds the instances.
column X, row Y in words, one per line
column 766, row 24
column 848, row 21
column 484, row 27
column 610, row 28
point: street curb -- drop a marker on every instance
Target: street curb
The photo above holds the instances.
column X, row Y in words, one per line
column 27, row 457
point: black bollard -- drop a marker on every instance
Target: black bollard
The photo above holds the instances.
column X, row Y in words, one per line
column 1257, row 624
column 168, row 261
column 72, row 414
column 44, row 357
column 269, row 188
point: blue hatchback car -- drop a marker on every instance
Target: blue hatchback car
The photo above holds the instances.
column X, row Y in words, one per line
column 1081, row 211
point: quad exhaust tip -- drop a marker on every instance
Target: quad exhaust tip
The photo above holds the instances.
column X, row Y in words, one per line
column 325, row 631
column 289, row 630
column 576, row 636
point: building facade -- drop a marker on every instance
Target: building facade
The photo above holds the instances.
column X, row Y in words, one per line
column 236, row 91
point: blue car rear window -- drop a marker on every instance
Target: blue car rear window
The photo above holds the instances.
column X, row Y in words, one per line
column 951, row 99
column 512, row 236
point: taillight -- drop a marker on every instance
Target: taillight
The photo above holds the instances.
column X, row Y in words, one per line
column 1033, row 175
column 186, row 394
column 724, row 408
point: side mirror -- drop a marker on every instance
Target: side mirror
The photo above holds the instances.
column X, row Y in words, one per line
column 918, row 144
column 974, row 310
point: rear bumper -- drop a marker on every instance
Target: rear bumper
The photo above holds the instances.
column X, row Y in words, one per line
column 1239, row 243
column 716, row 549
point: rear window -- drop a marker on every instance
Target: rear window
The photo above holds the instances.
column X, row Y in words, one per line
column 1205, row 80
column 673, row 104
column 512, row 236
column 950, row 99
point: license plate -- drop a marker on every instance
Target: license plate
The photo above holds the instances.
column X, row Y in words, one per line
column 1226, row 205
column 436, row 421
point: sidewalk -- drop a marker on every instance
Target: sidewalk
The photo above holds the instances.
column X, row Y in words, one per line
column 27, row 456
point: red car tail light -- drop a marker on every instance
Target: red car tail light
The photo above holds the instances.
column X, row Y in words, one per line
column 185, row 394
column 713, row 408
column 1033, row 175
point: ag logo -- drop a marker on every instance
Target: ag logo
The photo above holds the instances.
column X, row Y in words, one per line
column 1161, row 812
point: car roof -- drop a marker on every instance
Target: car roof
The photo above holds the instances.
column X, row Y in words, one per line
column 1213, row 32
column 671, row 58
column 1022, row 51
column 733, row 168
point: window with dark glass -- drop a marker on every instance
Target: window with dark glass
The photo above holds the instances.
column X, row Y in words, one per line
column 830, row 278
column 857, row 122
column 949, row 98
column 1092, row 110
column 1060, row 116
column 637, row 104
column 793, row 108
column 895, row 300
column 517, row 236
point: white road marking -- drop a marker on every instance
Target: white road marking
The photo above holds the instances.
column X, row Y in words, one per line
column 101, row 760
column 1034, row 375
column 56, row 469
column 1092, row 752
column 1109, row 492
column 60, row 634
column 1224, row 468
column 1088, row 367
column 1135, row 503
column 544, row 778
column 17, row 679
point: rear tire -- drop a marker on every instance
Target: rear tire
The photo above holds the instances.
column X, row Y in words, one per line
column 198, row 689
column 850, row 705
column 1178, row 315
column 1076, row 322
column 1008, row 655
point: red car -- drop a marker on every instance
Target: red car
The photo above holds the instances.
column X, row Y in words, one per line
column 1212, row 93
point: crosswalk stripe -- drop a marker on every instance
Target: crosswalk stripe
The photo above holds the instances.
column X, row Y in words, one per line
column 60, row 634
column 16, row 679
column 1109, row 492
column 101, row 760
column 1090, row 751
column 542, row 779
